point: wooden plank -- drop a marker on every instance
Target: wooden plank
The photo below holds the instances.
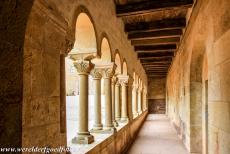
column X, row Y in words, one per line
column 158, row 54
column 144, row 7
column 155, row 47
column 155, row 34
column 156, row 58
column 159, row 41
column 156, row 51
column 164, row 24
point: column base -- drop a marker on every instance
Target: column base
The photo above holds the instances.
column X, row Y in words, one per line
column 124, row 120
column 115, row 123
column 110, row 130
column 83, row 139
column 97, row 128
column 135, row 115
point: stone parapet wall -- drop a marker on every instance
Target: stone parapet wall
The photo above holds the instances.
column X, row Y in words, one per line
column 120, row 141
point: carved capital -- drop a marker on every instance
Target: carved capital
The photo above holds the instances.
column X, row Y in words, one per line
column 68, row 45
column 109, row 70
column 96, row 73
column 83, row 67
column 123, row 80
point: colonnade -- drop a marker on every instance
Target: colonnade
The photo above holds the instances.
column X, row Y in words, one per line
column 116, row 99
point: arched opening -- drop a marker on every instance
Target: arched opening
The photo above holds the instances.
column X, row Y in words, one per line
column 117, row 60
column 105, row 58
column 85, row 44
column 124, row 68
column 198, row 68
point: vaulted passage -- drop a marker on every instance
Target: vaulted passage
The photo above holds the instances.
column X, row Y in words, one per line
column 115, row 76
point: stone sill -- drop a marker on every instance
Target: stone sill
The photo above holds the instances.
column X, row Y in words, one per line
column 101, row 140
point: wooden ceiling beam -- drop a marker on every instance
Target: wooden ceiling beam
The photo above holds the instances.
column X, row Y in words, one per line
column 164, row 24
column 159, row 41
column 148, row 6
column 159, row 54
column 155, row 34
column 153, row 58
column 155, row 47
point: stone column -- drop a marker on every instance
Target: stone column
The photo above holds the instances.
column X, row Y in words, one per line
column 124, row 98
column 117, row 101
column 143, row 99
column 83, row 135
column 134, row 98
column 139, row 101
column 107, row 75
column 97, row 75
column 114, row 80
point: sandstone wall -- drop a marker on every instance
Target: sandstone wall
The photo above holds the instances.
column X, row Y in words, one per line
column 190, row 79
column 156, row 95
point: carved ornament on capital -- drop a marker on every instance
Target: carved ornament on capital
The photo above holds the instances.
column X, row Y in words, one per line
column 123, row 80
column 83, row 67
column 96, row 73
column 109, row 70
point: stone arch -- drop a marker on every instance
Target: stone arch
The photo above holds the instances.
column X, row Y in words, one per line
column 196, row 78
column 84, row 32
column 105, row 51
column 124, row 68
column 117, row 60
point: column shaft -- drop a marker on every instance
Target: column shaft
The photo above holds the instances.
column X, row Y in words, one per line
column 117, row 102
column 83, row 105
column 134, row 98
column 97, row 104
column 113, row 102
column 124, row 102
column 139, row 102
column 108, row 103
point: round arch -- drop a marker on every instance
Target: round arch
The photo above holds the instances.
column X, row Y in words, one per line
column 124, row 68
column 83, row 32
column 105, row 47
column 117, row 60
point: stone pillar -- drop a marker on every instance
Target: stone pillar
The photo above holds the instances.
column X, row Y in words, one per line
column 134, row 101
column 83, row 135
column 143, row 99
column 139, row 101
column 114, row 80
column 117, row 101
column 107, row 75
column 97, row 75
column 124, row 98
column 62, row 94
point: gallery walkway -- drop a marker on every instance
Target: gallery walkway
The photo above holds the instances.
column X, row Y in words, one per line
column 157, row 136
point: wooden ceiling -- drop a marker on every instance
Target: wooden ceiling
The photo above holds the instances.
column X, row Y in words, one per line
column 154, row 28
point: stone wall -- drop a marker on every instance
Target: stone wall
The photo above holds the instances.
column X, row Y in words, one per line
column 122, row 140
column 198, row 81
column 156, row 95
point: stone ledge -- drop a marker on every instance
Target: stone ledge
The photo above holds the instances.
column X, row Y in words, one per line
column 110, row 143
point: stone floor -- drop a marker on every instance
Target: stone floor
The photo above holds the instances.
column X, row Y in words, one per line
column 157, row 136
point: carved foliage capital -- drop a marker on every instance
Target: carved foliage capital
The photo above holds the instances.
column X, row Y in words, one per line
column 123, row 80
column 108, row 71
column 83, row 67
column 96, row 73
